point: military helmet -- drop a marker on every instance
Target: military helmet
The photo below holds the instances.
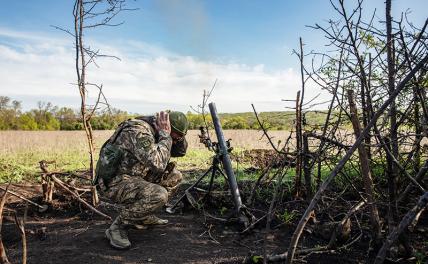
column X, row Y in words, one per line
column 178, row 122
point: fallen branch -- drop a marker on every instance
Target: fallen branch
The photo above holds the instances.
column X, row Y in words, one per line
column 405, row 222
column 416, row 220
column 44, row 168
column 77, row 189
column 282, row 257
column 253, row 224
column 212, row 238
column 419, row 176
column 20, row 223
column 75, row 195
column 41, row 207
column 3, row 256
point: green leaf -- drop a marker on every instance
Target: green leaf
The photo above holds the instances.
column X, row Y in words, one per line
column 256, row 259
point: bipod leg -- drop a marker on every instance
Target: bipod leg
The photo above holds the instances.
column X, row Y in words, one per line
column 171, row 208
column 224, row 175
column 213, row 172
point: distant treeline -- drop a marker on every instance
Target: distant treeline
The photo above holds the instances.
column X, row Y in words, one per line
column 49, row 117
column 271, row 120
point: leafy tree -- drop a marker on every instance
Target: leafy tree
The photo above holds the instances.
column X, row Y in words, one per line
column 68, row 119
column 108, row 119
column 9, row 112
column 195, row 120
column 236, row 122
column 27, row 122
column 44, row 116
column 4, row 102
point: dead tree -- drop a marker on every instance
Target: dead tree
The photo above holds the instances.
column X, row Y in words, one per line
column 89, row 14
column 302, row 150
column 307, row 166
column 383, row 68
column 365, row 168
column 299, row 161
column 201, row 109
column 393, row 134
column 305, row 218
column 79, row 19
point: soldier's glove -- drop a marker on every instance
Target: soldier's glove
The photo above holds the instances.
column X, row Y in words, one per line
column 171, row 177
column 170, row 167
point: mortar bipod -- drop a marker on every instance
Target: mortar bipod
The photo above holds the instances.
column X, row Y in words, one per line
column 221, row 149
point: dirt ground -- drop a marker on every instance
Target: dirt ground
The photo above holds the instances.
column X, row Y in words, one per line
column 67, row 233
column 73, row 236
column 72, row 240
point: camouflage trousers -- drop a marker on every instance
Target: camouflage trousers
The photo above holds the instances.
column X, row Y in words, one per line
column 139, row 197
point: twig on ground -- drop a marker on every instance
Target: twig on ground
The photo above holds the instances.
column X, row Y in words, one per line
column 23, row 198
column 75, row 195
column 3, row 256
column 20, row 223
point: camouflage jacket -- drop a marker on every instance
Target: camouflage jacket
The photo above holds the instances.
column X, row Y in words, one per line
column 137, row 149
column 145, row 153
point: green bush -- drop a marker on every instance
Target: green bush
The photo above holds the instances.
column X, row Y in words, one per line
column 27, row 122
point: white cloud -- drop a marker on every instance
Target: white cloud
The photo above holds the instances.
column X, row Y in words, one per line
column 43, row 67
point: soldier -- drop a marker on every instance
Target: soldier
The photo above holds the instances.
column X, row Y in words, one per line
column 134, row 170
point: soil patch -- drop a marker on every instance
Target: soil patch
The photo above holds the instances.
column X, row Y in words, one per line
column 68, row 233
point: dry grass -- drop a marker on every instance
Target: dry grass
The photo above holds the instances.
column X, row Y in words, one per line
column 243, row 139
column 20, row 151
column 12, row 142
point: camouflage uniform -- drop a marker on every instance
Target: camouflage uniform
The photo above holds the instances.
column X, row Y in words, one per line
column 144, row 175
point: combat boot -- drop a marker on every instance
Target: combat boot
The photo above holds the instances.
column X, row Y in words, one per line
column 118, row 235
column 148, row 220
column 154, row 220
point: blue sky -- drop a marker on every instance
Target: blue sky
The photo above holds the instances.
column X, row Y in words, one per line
column 171, row 50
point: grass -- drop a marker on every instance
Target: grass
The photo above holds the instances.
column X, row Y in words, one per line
column 195, row 159
column 20, row 151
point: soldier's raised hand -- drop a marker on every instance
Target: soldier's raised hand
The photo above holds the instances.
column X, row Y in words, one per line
column 162, row 121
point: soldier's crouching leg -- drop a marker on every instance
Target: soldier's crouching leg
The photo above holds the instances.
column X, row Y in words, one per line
column 139, row 198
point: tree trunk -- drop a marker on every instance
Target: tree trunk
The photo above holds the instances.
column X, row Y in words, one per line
column 393, row 136
column 79, row 15
column 365, row 167
column 307, row 167
column 298, row 178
